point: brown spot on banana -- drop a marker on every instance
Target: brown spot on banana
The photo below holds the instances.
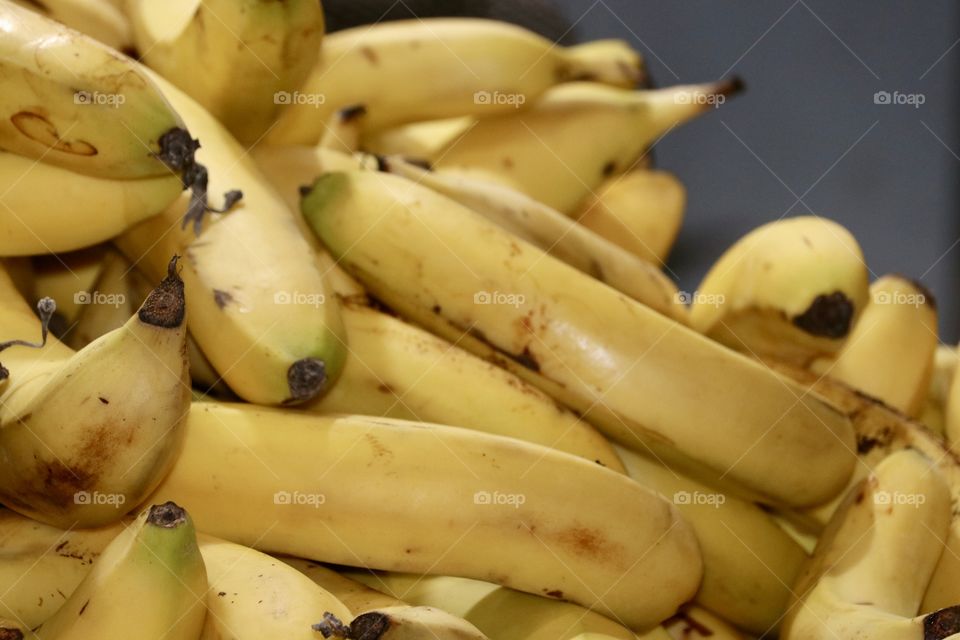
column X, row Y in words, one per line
column 10, row 634
column 370, row 55
column 941, row 624
column 828, row 316
column 36, row 127
column 222, row 298
column 168, row 515
column 166, row 306
column 306, row 379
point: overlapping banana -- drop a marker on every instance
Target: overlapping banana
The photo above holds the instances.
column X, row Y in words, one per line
column 69, row 278
column 86, row 435
column 102, row 20
column 414, row 70
column 631, row 371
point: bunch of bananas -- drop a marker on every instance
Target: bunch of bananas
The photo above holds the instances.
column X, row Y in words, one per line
column 419, row 373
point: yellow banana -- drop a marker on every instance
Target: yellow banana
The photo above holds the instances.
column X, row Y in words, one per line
column 108, row 303
column 640, row 210
column 412, row 70
column 472, row 504
column 260, row 308
column 534, row 152
column 400, row 623
column 418, row 139
column 952, row 414
column 253, row 53
column 934, row 411
column 357, row 597
column 630, row 370
column 554, row 233
column 85, row 436
column 790, row 290
column 889, row 353
column 100, row 19
column 68, row 278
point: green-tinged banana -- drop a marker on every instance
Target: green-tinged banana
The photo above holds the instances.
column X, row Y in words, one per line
column 555, row 233
column 260, row 308
column 640, row 210
column 86, row 435
column 790, row 290
column 156, row 565
column 534, row 152
column 889, row 353
column 108, row 304
column 74, row 103
column 100, row 19
column 254, row 596
column 871, row 567
column 934, row 410
column 428, row 69
column 499, row 612
column 397, row 370
column 749, row 563
column 630, row 370
column 69, row 278
column 471, row 504
column 417, row 139
column 254, row 53
column 400, row 623
column 694, row 622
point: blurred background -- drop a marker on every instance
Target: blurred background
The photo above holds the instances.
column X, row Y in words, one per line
column 850, row 113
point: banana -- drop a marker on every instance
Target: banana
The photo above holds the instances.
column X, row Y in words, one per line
column 534, row 152
column 344, row 130
column 253, row 53
column 109, row 302
column 260, row 308
column 944, row 366
column 417, row 139
column 400, row 371
column 640, row 210
column 86, row 435
column 871, row 567
column 11, row 630
column 358, row 597
column 951, row 411
column 401, row 623
column 74, row 103
column 413, row 70
column 631, row 371
column 789, row 290
column 253, row 596
column 68, row 278
column 499, row 612
column 472, row 504
column 693, row 622
column 749, row 563
column 889, row 353
column 554, row 233
column 100, row 19
column 154, row 563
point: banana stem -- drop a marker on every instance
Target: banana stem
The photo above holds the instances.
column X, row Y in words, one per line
column 45, row 309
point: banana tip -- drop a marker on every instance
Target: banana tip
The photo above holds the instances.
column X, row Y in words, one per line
column 731, row 86
column 165, row 307
column 168, row 515
column 7, row 633
column 307, row 378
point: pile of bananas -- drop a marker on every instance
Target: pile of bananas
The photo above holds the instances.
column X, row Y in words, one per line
column 369, row 338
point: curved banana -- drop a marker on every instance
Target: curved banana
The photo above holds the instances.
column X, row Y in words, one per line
column 556, row 234
column 421, row 140
column 534, row 152
column 694, row 622
column 630, row 370
column 401, row 371
column 100, row 19
column 85, row 436
column 952, row 414
column 425, row 69
column 640, row 210
column 889, row 353
column 154, row 563
column 253, row 53
column 749, row 563
column 109, row 302
column 472, row 504
column 358, row 597
column 790, row 290
column 871, row 567
column 69, row 278
column 944, row 365
column 260, row 308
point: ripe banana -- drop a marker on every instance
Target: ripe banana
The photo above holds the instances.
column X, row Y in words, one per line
column 749, row 563
column 85, row 436
column 413, row 70
column 534, row 152
column 260, row 308
column 889, row 353
column 400, row 623
column 357, row 597
column 109, row 302
column 499, row 612
column 871, row 567
column 68, row 278
column 100, row 19
column 400, row 371
column 418, row 139
column 952, row 414
column 554, row 233
column 631, row 371
column 789, row 290
column 934, row 411
column 344, row 130
column 154, row 563
column 472, row 504
column 693, row 622
column 641, row 211
column 253, row 53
